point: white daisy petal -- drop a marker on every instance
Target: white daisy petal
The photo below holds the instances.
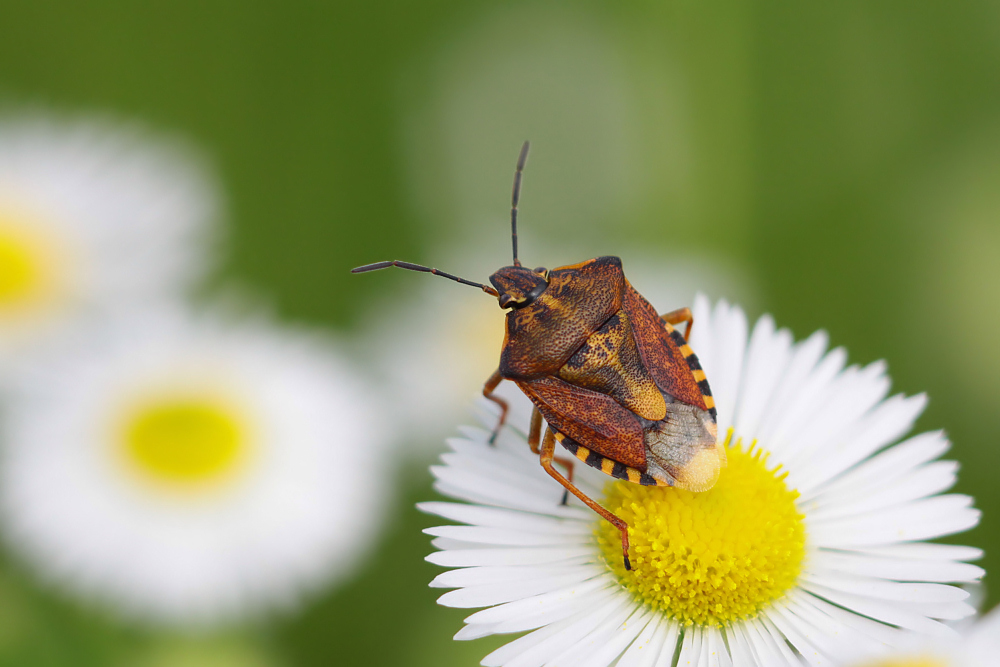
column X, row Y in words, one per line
column 670, row 648
column 986, row 632
column 751, row 646
column 484, row 595
column 718, row 654
column 467, row 577
column 448, row 544
column 601, row 648
column 571, row 654
column 826, row 633
column 881, row 634
column 859, row 514
column 899, row 569
column 500, row 536
column 835, row 630
column 805, row 356
column 535, row 642
column 768, row 355
column 928, row 480
column 882, row 468
column 810, row 396
column 925, row 551
column 701, row 310
column 606, row 596
column 491, row 468
column 845, row 400
column 480, row 489
column 475, row 434
column 536, row 611
column 975, row 645
column 776, row 641
column 511, row 556
column 726, row 364
column 690, row 653
column 810, row 642
column 502, row 518
column 567, row 606
column 537, row 648
column 948, row 611
column 904, row 616
column 740, row 647
column 470, row 632
column 658, row 637
column 919, row 520
column 180, row 467
column 887, row 422
column 765, row 645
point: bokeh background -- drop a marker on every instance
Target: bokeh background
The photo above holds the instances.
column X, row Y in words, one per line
column 838, row 163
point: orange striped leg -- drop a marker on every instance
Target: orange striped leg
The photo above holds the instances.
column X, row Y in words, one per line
column 488, row 389
column 678, row 316
column 547, row 456
column 534, row 435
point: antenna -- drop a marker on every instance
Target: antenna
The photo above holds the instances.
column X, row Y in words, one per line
column 515, row 196
column 424, row 269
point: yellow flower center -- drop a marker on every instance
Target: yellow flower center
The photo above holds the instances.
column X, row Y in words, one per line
column 186, row 440
column 27, row 266
column 714, row 557
column 916, row 661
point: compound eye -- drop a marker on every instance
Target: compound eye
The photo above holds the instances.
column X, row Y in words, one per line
column 541, row 270
column 506, row 300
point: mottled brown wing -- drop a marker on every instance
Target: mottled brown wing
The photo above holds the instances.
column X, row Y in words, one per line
column 579, row 299
column 609, row 363
column 662, row 352
column 594, row 420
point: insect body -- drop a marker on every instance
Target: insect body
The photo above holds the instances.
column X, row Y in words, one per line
column 616, row 384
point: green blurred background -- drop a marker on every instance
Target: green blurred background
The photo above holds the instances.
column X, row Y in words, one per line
column 845, row 156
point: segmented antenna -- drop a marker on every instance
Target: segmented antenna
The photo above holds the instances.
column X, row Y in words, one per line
column 515, row 196
column 425, row 269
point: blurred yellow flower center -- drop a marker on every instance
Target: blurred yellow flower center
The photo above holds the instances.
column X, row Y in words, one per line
column 907, row 662
column 25, row 266
column 714, row 557
column 185, row 440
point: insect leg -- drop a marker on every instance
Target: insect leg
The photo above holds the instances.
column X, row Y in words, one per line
column 488, row 389
column 534, row 435
column 568, row 464
column 678, row 316
column 535, row 432
column 547, row 456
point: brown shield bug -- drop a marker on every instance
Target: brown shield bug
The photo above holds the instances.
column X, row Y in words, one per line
column 617, row 385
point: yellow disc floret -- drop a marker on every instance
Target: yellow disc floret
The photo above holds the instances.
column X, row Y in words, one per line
column 26, row 265
column 184, row 440
column 918, row 661
column 714, row 557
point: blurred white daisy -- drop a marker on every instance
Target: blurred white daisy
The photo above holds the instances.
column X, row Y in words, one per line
column 977, row 646
column 93, row 216
column 809, row 549
column 189, row 470
column 437, row 345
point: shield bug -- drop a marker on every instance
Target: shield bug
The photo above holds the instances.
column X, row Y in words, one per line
column 617, row 385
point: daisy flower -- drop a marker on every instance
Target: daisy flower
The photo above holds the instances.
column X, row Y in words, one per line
column 810, row 548
column 93, row 216
column 189, row 470
column 978, row 646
